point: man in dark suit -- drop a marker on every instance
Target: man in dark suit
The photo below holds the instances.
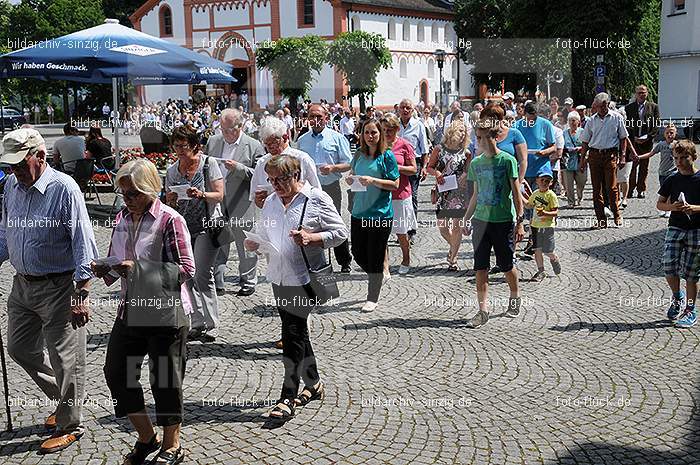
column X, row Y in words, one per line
column 643, row 124
column 238, row 153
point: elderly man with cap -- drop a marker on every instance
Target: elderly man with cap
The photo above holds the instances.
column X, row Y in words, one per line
column 509, row 101
column 46, row 234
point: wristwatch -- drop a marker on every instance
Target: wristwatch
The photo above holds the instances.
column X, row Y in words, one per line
column 520, row 219
column 81, row 294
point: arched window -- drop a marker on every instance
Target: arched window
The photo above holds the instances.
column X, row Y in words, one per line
column 391, row 33
column 434, row 32
column 455, row 63
column 406, row 31
column 165, row 17
column 431, row 68
column 355, row 23
column 403, row 68
column 421, row 32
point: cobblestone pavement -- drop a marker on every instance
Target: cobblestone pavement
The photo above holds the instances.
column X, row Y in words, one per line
column 589, row 373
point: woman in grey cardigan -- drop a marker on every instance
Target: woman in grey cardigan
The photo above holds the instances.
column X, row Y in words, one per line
column 292, row 204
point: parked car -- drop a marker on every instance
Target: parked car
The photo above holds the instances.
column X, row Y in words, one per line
column 12, row 118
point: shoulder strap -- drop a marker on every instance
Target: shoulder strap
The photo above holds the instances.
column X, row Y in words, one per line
column 301, row 221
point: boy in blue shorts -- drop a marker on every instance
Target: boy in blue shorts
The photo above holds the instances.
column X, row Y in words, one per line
column 546, row 205
column 680, row 195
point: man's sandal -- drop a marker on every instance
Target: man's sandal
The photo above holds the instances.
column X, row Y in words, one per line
column 310, row 393
column 283, row 411
column 141, row 451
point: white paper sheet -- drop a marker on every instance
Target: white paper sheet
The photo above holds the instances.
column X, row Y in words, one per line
column 108, row 261
column 356, row 185
column 265, row 246
column 450, row 184
column 181, row 191
column 265, row 187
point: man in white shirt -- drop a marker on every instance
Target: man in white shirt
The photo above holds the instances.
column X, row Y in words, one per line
column 347, row 126
column 455, row 108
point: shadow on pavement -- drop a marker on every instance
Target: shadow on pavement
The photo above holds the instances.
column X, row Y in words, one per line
column 404, row 323
column 612, row 326
column 618, row 253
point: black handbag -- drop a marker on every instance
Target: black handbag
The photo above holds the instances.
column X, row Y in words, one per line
column 323, row 281
column 219, row 230
column 153, row 296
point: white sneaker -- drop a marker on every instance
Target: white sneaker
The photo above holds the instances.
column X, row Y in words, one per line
column 387, row 277
column 403, row 269
column 667, row 214
column 608, row 212
column 662, row 214
column 369, row 306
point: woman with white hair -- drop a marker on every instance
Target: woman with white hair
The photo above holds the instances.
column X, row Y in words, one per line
column 275, row 138
column 149, row 239
column 571, row 161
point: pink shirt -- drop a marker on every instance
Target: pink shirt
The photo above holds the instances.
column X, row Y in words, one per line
column 160, row 225
column 404, row 153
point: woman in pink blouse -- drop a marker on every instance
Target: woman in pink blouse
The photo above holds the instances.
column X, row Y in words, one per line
column 404, row 216
column 148, row 233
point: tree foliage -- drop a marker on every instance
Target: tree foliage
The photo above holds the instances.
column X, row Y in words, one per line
column 293, row 62
column 360, row 55
column 605, row 23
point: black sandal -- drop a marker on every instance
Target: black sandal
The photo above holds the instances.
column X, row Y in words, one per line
column 313, row 394
column 279, row 412
column 141, row 451
column 169, row 458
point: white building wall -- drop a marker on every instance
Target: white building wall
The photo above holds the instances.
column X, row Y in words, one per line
column 323, row 19
column 680, row 33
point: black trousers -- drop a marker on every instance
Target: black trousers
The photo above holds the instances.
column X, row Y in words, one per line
column 167, row 354
column 369, row 240
column 342, row 252
column 294, row 303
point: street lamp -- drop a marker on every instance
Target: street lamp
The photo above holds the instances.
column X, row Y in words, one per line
column 440, row 58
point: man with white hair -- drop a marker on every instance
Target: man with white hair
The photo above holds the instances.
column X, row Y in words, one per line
column 46, row 234
column 455, row 109
column 413, row 130
column 604, row 143
column 238, row 153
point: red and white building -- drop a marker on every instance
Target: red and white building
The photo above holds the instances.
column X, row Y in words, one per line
column 230, row 30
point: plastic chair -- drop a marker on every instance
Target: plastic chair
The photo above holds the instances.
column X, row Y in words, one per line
column 84, row 170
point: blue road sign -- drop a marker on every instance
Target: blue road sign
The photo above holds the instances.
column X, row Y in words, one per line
column 599, row 70
column 599, row 88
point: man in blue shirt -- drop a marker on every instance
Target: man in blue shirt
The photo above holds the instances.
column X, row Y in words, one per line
column 413, row 130
column 540, row 138
column 46, row 234
column 330, row 150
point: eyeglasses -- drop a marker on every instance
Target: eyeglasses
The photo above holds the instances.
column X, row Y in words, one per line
column 131, row 194
column 231, row 129
column 181, row 146
column 280, row 179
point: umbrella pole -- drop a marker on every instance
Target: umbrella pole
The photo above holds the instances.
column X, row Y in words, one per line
column 115, row 120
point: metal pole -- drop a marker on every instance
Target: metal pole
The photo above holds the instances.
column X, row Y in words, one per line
column 548, row 78
column 4, row 381
column 441, row 84
column 115, row 119
column 2, row 112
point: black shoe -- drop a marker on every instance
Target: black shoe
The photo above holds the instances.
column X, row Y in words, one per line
column 495, row 269
column 195, row 334
column 220, row 291
column 345, row 269
column 169, row 458
column 641, row 195
column 206, row 337
column 245, row 291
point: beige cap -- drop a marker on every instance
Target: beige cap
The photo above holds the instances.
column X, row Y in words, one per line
column 17, row 144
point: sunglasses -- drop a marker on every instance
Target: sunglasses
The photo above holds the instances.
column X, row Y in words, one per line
column 131, row 194
column 23, row 165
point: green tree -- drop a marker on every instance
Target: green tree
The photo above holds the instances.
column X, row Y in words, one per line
column 293, row 62
column 121, row 9
column 360, row 55
column 605, row 21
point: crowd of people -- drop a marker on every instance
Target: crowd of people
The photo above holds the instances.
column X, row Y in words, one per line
column 276, row 192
